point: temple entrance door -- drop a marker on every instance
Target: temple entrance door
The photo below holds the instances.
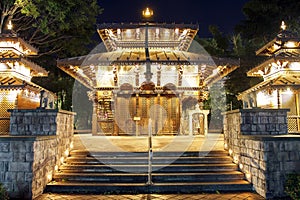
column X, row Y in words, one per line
column 166, row 110
column 125, row 108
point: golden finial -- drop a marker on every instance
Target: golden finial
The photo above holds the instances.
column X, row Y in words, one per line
column 147, row 13
column 283, row 26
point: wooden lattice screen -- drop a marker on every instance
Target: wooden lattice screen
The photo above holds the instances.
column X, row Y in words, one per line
column 5, row 104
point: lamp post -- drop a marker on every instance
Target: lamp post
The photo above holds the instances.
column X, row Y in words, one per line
column 147, row 14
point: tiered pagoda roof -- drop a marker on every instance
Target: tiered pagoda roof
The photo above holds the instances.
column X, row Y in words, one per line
column 132, row 35
column 15, row 70
column 282, row 68
column 125, row 44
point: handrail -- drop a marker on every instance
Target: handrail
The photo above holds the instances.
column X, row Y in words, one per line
column 150, row 153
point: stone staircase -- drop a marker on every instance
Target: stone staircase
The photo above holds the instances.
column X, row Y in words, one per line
column 126, row 172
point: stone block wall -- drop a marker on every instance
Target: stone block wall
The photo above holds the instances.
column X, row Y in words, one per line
column 27, row 161
column 264, row 121
column 266, row 158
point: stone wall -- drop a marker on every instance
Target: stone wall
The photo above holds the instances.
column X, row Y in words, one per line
column 28, row 157
column 263, row 150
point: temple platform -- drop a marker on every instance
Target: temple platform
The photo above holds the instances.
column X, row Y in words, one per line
column 213, row 141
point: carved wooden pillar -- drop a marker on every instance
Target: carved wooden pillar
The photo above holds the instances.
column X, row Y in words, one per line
column 116, row 127
column 158, row 75
column 93, row 97
column 137, row 71
column 180, row 73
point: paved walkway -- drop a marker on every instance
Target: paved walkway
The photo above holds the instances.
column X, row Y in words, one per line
column 227, row 196
column 160, row 143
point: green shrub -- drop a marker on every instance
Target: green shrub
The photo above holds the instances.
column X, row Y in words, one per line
column 3, row 193
column 292, row 187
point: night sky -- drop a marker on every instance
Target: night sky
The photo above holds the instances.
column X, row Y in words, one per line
column 223, row 13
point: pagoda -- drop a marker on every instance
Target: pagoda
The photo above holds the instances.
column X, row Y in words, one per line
column 281, row 77
column 147, row 65
column 16, row 89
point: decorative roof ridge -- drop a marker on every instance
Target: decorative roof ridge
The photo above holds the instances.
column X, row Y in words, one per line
column 151, row 24
column 22, row 41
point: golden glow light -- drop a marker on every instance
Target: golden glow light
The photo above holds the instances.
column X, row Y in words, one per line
column 290, row 44
column 288, row 91
column 248, row 176
column 62, row 159
column 147, row 13
column 265, row 100
column 9, row 25
column 294, row 66
column 236, row 159
column 230, row 151
column 283, row 26
column 71, row 145
column 225, row 145
column 56, row 168
column 49, row 176
column 241, row 166
column 67, row 152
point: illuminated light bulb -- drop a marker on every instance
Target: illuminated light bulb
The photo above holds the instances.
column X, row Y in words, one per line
column 225, row 145
column 236, row 158
column 289, row 91
column 230, row 151
column 56, row 168
column 67, row 152
column 71, row 145
column 241, row 166
column 248, row 176
column 290, row 44
column 49, row 176
column 9, row 25
column 283, row 26
column 62, row 159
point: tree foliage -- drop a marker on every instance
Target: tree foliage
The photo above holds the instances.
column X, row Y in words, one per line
column 263, row 18
column 58, row 28
column 64, row 27
column 262, row 23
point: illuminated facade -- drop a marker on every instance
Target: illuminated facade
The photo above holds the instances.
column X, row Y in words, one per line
column 147, row 66
column 16, row 89
column 281, row 77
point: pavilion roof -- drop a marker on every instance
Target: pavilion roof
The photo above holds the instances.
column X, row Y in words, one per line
column 14, row 83
column 35, row 70
column 83, row 68
column 14, row 46
column 281, row 79
column 286, row 43
column 264, row 68
column 128, row 35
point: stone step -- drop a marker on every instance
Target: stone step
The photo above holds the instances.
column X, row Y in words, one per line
column 142, row 177
column 142, row 188
column 101, row 168
column 144, row 160
column 145, row 154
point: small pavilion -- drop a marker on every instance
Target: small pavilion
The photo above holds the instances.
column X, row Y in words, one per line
column 281, row 77
column 16, row 89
